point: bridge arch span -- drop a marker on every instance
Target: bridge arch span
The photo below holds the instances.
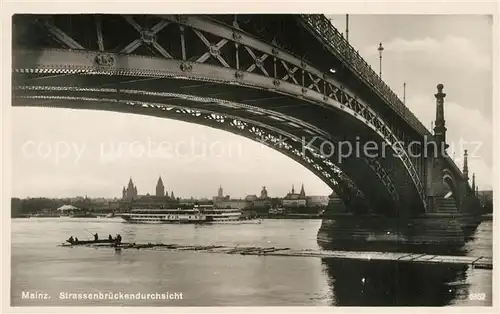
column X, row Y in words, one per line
column 268, row 135
column 232, row 79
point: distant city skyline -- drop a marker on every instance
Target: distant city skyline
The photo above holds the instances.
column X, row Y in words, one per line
column 217, row 190
column 220, row 189
column 419, row 50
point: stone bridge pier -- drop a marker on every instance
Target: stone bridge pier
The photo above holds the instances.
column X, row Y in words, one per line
column 451, row 217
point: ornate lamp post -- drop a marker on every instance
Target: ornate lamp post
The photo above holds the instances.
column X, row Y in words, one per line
column 347, row 27
column 380, row 49
column 404, row 93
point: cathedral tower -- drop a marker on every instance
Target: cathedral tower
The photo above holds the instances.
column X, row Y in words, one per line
column 302, row 192
column 160, row 188
column 131, row 191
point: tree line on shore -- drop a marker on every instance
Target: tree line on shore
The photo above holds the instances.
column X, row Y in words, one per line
column 27, row 206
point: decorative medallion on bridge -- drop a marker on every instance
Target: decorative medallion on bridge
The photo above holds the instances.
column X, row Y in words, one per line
column 275, row 51
column 304, row 90
column 325, row 98
column 303, row 64
column 147, row 36
column 259, row 62
column 341, row 106
column 276, row 83
column 186, row 67
column 236, row 36
column 214, row 50
column 238, row 75
column 105, row 60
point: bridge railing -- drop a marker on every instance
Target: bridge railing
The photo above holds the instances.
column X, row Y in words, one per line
column 351, row 57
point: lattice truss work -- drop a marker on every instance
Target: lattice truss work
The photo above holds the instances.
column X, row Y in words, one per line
column 278, row 139
column 196, row 41
column 308, row 153
column 336, row 41
column 332, row 38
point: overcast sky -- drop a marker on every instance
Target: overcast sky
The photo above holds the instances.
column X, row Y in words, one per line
column 421, row 50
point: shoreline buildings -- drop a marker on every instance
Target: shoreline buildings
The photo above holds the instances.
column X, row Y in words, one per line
column 291, row 201
column 162, row 198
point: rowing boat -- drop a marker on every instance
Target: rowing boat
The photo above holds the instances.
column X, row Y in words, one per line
column 85, row 242
column 97, row 244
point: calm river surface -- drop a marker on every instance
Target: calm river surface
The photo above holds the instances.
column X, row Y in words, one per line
column 39, row 265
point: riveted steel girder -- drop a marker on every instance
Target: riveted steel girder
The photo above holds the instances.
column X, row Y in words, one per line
column 224, row 55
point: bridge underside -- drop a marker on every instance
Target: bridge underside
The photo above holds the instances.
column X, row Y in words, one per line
column 197, row 70
column 255, row 114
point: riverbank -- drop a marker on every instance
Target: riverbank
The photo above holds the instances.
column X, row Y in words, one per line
column 290, row 216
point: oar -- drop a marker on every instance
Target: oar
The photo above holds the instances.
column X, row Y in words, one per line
column 89, row 233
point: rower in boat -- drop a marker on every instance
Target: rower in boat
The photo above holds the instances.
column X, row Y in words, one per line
column 110, row 238
column 76, row 240
column 96, row 237
column 71, row 240
column 118, row 239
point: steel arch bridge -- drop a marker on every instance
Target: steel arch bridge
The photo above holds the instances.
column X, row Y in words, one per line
column 263, row 77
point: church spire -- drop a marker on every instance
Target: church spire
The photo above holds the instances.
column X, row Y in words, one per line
column 293, row 189
column 131, row 190
column 160, row 188
column 263, row 192
column 466, row 167
column 302, row 192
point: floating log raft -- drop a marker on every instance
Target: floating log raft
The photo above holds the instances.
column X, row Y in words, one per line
column 476, row 262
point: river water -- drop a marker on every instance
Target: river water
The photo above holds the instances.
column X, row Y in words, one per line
column 204, row 279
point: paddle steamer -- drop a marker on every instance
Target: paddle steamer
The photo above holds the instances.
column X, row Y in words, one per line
column 198, row 214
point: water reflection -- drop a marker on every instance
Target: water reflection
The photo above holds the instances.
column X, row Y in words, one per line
column 426, row 237
column 38, row 264
column 383, row 283
column 374, row 283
